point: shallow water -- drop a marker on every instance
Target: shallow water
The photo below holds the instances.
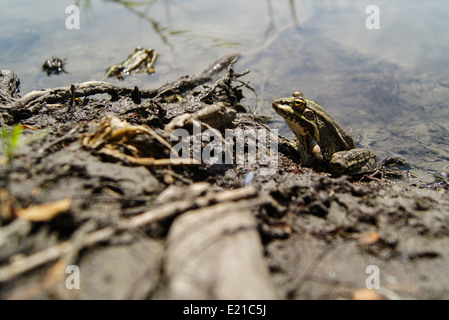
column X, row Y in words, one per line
column 388, row 86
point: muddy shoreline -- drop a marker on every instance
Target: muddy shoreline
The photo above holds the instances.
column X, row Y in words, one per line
column 141, row 229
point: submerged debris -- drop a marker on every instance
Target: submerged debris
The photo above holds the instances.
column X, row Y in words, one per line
column 141, row 60
column 54, row 65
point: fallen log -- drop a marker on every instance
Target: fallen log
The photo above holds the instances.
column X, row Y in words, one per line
column 216, row 253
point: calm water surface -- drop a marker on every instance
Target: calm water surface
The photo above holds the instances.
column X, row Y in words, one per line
column 389, row 87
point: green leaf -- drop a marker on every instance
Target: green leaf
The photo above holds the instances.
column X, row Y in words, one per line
column 15, row 136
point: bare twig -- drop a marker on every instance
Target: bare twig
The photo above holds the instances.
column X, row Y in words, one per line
column 161, row 162
column 188, row 83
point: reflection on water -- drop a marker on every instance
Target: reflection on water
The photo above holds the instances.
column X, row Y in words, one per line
column 389, row 86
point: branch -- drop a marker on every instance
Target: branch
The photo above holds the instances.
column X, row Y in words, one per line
column 33, row 100
column 84, row 89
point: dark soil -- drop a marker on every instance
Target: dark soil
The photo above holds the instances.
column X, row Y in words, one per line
column 319, row 232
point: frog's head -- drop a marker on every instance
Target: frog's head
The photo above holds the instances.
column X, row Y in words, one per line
column 301, row 119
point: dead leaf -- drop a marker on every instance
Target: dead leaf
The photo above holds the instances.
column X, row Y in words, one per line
column 27, row 126
column 369, row 238
column 44, row 211
column 117, row 139
column 133, row 144
column 367, row 294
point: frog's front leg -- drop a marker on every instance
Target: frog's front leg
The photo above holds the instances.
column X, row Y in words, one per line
column 354, row 161
column 310, row 151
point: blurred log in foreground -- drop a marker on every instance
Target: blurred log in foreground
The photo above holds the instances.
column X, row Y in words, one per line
column 216, row 253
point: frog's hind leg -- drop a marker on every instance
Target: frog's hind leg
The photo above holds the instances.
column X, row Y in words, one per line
column 353, row 162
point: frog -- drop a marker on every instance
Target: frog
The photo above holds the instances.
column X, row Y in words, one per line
column 321, row 142
column 141, row 60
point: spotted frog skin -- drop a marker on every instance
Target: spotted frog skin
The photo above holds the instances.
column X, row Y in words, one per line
column 321, row 142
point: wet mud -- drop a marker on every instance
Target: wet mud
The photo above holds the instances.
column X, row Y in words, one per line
column 91, row 185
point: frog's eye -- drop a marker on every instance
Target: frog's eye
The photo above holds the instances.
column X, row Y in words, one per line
column 298, row 103
column 308, row 114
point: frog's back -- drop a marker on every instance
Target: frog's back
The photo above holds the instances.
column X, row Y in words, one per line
column 339, row 145
column 347, row 137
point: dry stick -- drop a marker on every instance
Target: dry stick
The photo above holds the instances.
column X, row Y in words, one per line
column 80, row 90
column 186, row 83
column 149, row 161
column 162, row 162
column 18, row 267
